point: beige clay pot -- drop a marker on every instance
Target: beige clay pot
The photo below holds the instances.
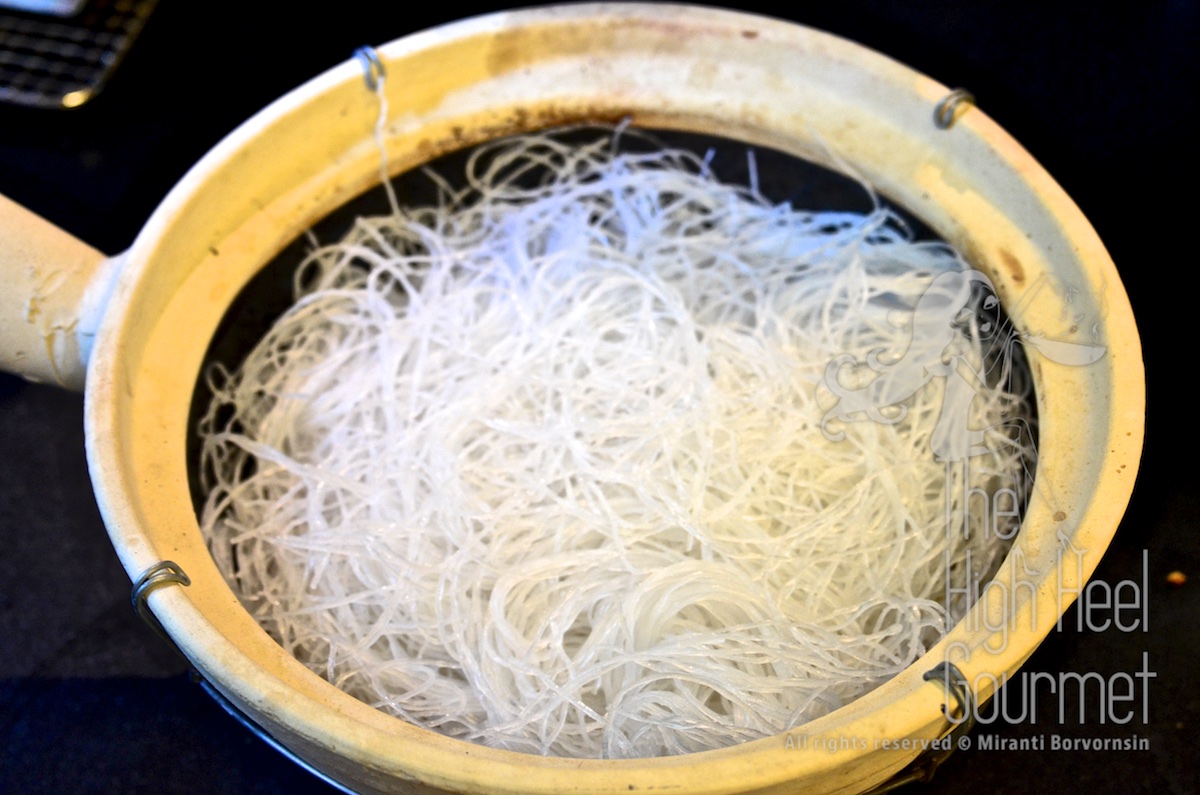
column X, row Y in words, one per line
column 153, row 310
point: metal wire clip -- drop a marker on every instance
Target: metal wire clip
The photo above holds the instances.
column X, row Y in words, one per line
column 962, row 719
column 952, row 106
column 373, row 71
column 161, row 573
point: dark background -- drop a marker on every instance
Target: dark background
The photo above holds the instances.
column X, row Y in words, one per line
column 1103, row 96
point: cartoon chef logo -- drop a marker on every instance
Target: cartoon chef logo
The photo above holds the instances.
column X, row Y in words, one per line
column 957, row 306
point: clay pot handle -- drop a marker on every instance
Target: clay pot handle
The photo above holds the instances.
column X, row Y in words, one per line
column 53, row 287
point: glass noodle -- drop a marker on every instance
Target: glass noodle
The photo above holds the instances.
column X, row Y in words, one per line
column 570, row 461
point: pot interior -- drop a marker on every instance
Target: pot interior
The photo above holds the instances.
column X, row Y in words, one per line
column 780, row 177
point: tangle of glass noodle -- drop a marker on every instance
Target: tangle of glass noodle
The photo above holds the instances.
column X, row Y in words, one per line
column 543, row 467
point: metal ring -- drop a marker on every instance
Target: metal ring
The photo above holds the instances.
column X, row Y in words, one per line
column 167, row 572
column 953, row 105
column 373, row 71
column 956, row 684
column 258, row 731
column 924, row 766
column 161, row 573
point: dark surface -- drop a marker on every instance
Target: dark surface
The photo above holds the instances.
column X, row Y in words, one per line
column 91, row 701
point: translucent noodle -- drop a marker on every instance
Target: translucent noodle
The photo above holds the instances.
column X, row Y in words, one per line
column 571, row 463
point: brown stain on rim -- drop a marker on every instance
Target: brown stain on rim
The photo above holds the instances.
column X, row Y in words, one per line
column 1015, row 269
column 510, row 50
column 519, row 120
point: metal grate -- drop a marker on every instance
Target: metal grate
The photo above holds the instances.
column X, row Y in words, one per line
column 53, row 62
